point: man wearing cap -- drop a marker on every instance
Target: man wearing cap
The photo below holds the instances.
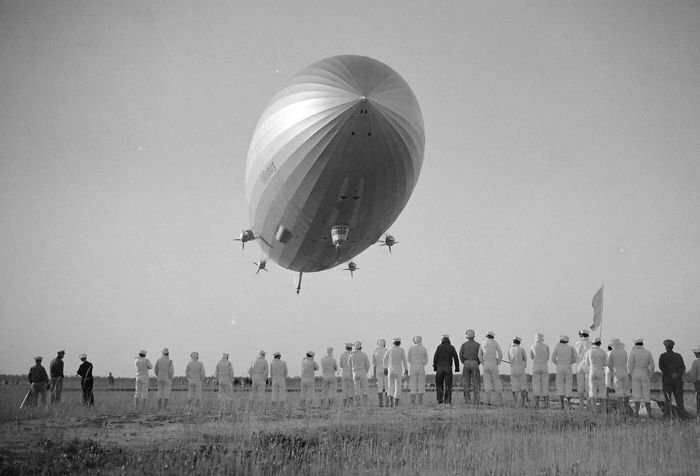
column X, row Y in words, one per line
column 417, row 360
column 278, row 376
column 617, row 363
column 491, row 355
column 86, row 381
column 308, row 379
column 518, row 362
column 672, row 369
column 695, row 376
column 596, row 360
column 640, row 365
column 380, row 373
column 581, row 346
column 164, row 371
column 346, row 375
column 329, row 369
column 539, row 353
column 195, row 374
column 56, row 371
column 471, row 378
column 397, row 365
column 224, row 378
column 444, row 356
column 38, row 381
column 359, row 363
column 563, row 357
column 258, row 372
column 143, row 365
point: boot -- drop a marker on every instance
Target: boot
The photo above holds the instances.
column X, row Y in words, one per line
column 396, row 402
column 165, row 403
column 647, row 405
column 561, row 401
column 391, row 401
column 413, row 399
column 568, row 402
column 345, row 402
column 160, row 403
column 381, row 399
column 420, row 399
column 637, row 405
column 351, row 401
column 331, row 403
column 523, row 398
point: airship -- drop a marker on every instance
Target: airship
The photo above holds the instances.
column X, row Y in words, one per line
column 333, row 160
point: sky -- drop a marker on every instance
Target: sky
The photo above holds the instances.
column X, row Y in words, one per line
column 562, row 154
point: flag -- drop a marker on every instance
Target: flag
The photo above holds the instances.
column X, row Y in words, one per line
column 597, row 304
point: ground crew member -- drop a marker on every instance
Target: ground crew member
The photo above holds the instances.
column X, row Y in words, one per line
column 379, row 371
column 444, row 356
column 640, row 365
column 417, row 360
column 359, row 364
column 695, row 376
column 56, row 372
column 224, row 378
column 397, row 365
column 539, row 353
column 38, row 381
column 518, row 362
column 490, row 356
column 672, row 369
column 86, row 380
column 195, row 374
column 564, row 356
column 329, row 369
column 164, row 371
column 308, row 379
column 471, row 377
column 278, row 375
column 258, row 372
column 617, row 363
column 143, row 365
column 582, row 374
column 346, row 376
column 596, row 360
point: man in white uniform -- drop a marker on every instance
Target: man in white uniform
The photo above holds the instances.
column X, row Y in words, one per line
column 379, row 372
column 564, row 356
column 596, row 359
column 539, row 353
column 518, row 362
column 165, row 371
column 617, row 363
column 329, row 368
column 278, row 375
column 395, row 362
column 224, row 378
column 258, row 372
column 640, row 365
column 491, row 355
column 194, row 372
column 308, row 379
column 143, row 365
column 359, row 364
column 346, row 376
column 417, row 360
column 581, row 346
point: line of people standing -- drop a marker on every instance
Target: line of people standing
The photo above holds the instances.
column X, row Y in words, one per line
column 40, row 382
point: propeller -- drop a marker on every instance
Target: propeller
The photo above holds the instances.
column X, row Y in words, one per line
column 261, row 265
column 388, row 241
column 352, row 267
column 245, row 236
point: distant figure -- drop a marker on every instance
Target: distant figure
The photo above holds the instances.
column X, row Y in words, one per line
column 308, row 379
column 195, row 374
column 359, row 364
column 56, row 371
column 224, row 378
column 278, row 374
column 695, row 375
column 110, row 379
column 86, row 381
column 444, row 356
column 143, row 365
column 38, row 381
column 640, row 365
column 417, row 360
column 564, row 356
column 346, row 376
column 672, row 369
column 471, row 377
column 581, row 346
column 518, row 362
column 258, row 372
column 164, row 371
column 490, row 356
column 329, row 369
column 596, row 360
column 379, row 371
column 539, row 353
column 397, row 366
column 617, row 363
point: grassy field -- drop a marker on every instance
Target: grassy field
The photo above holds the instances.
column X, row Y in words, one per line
column 110, row 438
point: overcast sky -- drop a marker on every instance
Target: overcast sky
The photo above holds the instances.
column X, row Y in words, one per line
column 562, row 153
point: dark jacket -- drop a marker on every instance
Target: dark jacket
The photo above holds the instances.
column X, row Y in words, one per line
column 672, row 366
column 445, row 354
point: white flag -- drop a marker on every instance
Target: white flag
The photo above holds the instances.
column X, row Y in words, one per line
column 597, row 309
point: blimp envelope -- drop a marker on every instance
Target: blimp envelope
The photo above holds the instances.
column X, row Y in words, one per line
column 333, row 161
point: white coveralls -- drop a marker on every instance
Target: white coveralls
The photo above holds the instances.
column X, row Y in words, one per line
column 195, row 377
column 378, row 364
column 329, row 367
column 165, row 371
column 143, row 365
column 359, row 363
column 224, row 377
column 617, row 363
column 539, row 352
column 564, row 357
column 346, row 375
column 582, row 372
column 258, row 373
column 308, row 378
column 518, row 362
column 641, row 365
column 395, row 361
column 490, row 355
column 597, row 359
column 417, row 359
column 278, row 375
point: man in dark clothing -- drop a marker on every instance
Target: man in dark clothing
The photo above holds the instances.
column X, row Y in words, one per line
column 39, row 381
column 56, row 370
column 445, row 354
column 85, row 372
column 471, row 378
column 672, row 369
